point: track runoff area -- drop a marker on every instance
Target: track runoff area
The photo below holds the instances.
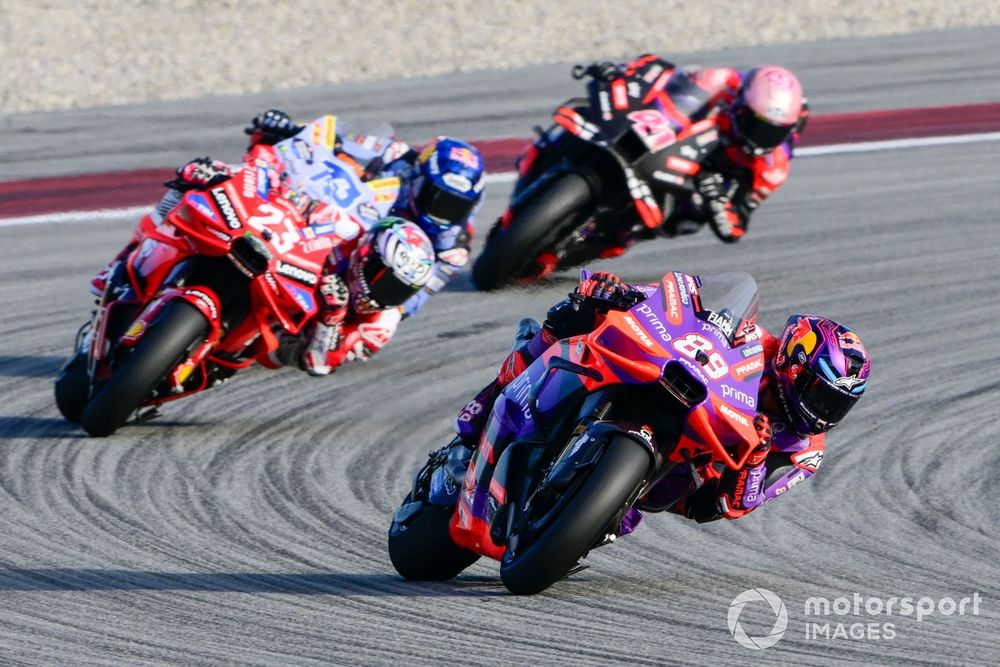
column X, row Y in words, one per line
column 117, row 195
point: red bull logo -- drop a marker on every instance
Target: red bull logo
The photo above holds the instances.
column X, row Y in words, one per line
column 802, row 335
column 465, row 157
column 850, row 341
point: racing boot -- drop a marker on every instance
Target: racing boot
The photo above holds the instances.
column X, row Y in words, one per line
column 100, row 282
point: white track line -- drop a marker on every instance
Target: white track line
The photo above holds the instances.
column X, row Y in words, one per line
column 870, row 146
column 108, row 214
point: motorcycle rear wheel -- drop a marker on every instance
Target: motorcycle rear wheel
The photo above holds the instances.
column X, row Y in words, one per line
column 170, row 338
column 539, row 224
column 421, row 549
column 583, row 520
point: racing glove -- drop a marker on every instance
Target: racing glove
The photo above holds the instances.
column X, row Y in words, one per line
column 199, row 174
column 270, row 127
column 334, row 295
column 596, row 294
column 320, row 354
column 722, row 216
column 608, row 290
column 362, row 340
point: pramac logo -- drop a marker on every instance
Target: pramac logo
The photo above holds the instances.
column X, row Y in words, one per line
column 671, row 301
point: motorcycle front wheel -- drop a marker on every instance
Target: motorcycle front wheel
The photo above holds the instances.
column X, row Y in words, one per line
column 583, row 519
column 73, row 388
column 421, row 548
column 509, row 252
column 170, row 339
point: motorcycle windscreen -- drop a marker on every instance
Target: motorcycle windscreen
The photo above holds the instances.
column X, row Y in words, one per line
column 365, row 141
column 688, row 98
column 734, row 291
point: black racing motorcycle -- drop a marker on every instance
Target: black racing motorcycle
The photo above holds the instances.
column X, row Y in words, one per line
column 615, row 165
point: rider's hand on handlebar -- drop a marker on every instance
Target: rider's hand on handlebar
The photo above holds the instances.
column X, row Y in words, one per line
column 711, row 186
column 723, row 219
column 608, row 289
column 200, row 173
column 271, row 127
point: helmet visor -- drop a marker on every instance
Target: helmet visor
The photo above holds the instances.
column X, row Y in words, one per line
column 376, row 286
column 823, row 400
column 758, row 133
column 386, row 290
column 447, row 208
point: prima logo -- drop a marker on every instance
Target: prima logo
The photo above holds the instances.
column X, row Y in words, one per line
column 729, row 391
column 654, row 322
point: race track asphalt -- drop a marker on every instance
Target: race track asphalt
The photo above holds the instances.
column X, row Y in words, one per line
column 247, row 525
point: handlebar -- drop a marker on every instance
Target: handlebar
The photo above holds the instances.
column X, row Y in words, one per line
column 601, row 71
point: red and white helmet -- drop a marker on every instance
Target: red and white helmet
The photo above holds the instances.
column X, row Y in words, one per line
column 766, row 109
column 392, row 262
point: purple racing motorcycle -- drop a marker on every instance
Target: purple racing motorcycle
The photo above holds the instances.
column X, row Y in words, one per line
column 585, row 431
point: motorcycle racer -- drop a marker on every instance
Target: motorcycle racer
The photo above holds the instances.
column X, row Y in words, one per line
column 759, row 114
column 815, row 373
column 435, row 191
column 440, row 186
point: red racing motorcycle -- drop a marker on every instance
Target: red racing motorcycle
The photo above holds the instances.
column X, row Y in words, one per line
column 202, row 295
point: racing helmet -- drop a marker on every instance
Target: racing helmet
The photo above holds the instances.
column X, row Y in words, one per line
column 766, row 109
column 448, row 185
column 821, row 370
column 392, row 262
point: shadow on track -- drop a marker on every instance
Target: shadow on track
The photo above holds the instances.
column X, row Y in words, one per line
column 14, row 365
column 12, row 428
column 332, row 583
column 38, row 427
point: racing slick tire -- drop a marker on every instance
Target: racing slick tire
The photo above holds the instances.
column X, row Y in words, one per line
column 73, row 388
column 171, row 336
column 421, row 549
column 583, row 520
column 539, row 223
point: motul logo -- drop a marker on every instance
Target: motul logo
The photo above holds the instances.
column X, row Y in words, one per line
column 646, row 340
column 732, row 414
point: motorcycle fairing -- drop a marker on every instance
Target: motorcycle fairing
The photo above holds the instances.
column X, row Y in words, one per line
column 644, row 345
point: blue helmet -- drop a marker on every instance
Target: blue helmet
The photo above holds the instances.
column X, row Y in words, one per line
column 448, row 185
